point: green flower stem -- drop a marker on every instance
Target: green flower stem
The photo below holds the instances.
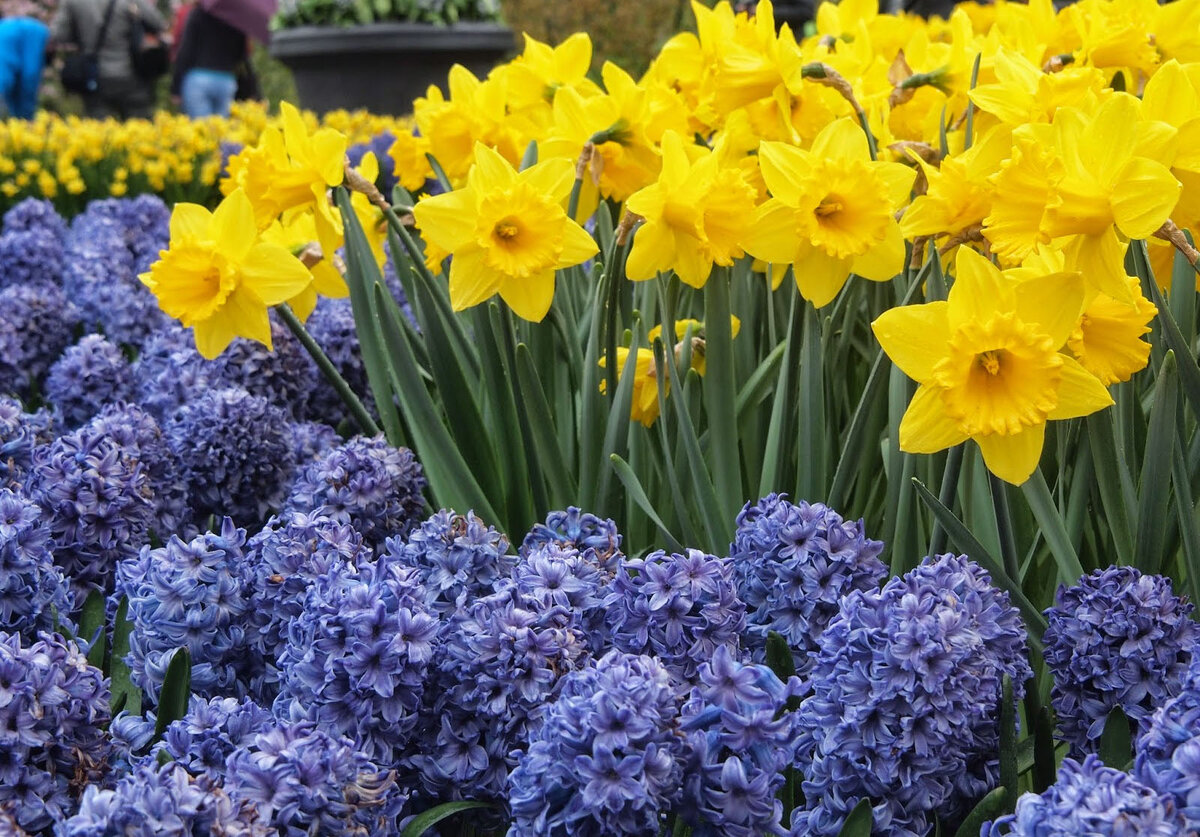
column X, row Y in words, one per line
column 946, row 492
column 348, row 396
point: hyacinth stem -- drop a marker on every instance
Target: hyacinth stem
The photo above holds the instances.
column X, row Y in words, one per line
column 348, row 396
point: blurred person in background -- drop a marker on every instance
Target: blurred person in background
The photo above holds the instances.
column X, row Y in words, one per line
column 211, row 56
column 79, row 24
column 23, row 45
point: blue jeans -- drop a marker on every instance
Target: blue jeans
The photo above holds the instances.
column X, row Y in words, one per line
column 207, row 93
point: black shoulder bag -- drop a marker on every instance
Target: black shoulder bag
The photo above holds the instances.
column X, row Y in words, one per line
column 81, row 70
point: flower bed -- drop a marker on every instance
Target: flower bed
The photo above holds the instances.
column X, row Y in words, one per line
column 799, row 440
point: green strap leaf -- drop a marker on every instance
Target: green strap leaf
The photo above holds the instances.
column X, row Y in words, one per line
column 638, row 494
column 990, row 807
column 175, row 691
column 1113, row 481
column 428, row 819
column 860, row 822
column 779, row 656
column 1155, row 490
column 559, row 479
column 1116, row 742
column 124, row 693
column 1009, row 768
column 91, row 629
column 1189, row 372
column 723, row 446
column 1041, row 503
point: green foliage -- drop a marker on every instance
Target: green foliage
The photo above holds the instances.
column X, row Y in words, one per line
column 359, row 12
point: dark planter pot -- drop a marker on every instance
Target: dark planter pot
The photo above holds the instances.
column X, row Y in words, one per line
column 383, row 67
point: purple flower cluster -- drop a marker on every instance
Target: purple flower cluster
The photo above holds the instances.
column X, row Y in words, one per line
column 282, row 562
column 30, row 256
column 98, row 500
column 366, row 483
column 34, row 596
column 608, row 758
column 564, row 577
column 579, row 530
column 1168, row 752
column 793, row 564
column 169, row 372
column 680, row 608
column 35, row 214
column 356, row 658
column 191, row 595
column 741, row 739
column 53, row 712
column 36, row 324
column 332, row 326
column 153, row 800
column 235, row 454
column 1117, row 638
column 213, row 730
column 20, row 433
column 87, row 377
column 1095, row 800
column 456, row 559
column 285, row 375
column 903, row 710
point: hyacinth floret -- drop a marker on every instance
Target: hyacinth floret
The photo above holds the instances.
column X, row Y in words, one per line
column 30, row 256
column 211, row 731
column 367, row 483
column 87, row 377
column 356, row 658
column 607, row 758
column 573, row 527
column 903, row 710
column 1117, row 638
column 304, row 781
column 139, row 435
column 793, row 563
column 34, row 596
column 741, row 739
column 563, row 576
column 152, row 800
column 169, row 372
column 282, row 562
column 311, row 440
column 458, row 559
column 285, row 374
column 499, row 664
column 55, row 709
column 36, row 324
column 20, row 433
column 191, row 595
column 1090, row 798
column 35, row 214
column 235, row 454
column 679, row 607
column 1168, row 752
column 98, row 500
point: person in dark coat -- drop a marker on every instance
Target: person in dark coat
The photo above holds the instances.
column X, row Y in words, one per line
column 211, row 54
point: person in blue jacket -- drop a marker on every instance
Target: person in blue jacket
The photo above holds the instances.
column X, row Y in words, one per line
column 22, row 56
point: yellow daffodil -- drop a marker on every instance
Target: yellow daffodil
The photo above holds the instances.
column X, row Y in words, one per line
column 218, row 277
column 296, row 232
column 958, row 193
column 408, row 157
column 989, row 365
column 831, row 212
column 695, row 215
column 508, row 233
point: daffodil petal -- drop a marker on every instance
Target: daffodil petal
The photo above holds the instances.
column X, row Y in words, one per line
column 1080, row 393
column 1053, row 302
column 885, row 260
column 842, row 139
column 1143, row 197
column 653, row 250
column 979, row 290
column 274, row 274
column 577, row 245
column 783, row 168
column 213, row 336
column 820, row 276
column 529, row 298
column 926, row 427
column 915, row 337
column 491, row 168
column 1101, row 261
column 1013, row 458
column 233, row 227
column 448, row 219
column 552, row 177
column 190, row 221
column 471, row 282
column 772, row 236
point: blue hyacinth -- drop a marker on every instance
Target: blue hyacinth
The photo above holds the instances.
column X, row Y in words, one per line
column 30, row 256
column 87, row 377
column 311, row 440
column 35, row 214
column 793, row 563
column 357, row 656
column 53, row 712
column 367, row 483
column 285, row 374
column 681, row 608
column 36, row 324
column 607, row 759
column 565, row 577
column 282, row 562
column 903, row 708
column 741, row 738
column 575, row 528
column 235, row 454
column 332, row 326
column 213, row 730
column 1094, row 800
column 20, row 433
column 153, row 800
column 1117, row 638
column 169, row 372
column 457, row 558
column 191, row 595
column 34, row 596
column 98, row 501
column 1168, row 752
